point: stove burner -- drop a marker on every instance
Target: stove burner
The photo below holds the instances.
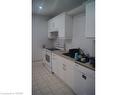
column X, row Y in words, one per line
column 52, row 49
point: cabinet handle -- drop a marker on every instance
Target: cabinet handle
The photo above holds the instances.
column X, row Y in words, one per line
column 64, row 67
column 84, row 77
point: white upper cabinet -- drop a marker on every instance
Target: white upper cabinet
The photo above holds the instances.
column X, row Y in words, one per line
column 52, row 29
column 90, row 19
column 61, row 24
column 52, row 25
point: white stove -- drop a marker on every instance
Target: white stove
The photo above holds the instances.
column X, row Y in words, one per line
column 48, row 58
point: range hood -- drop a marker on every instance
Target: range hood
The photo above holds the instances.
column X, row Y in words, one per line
column 53, row 35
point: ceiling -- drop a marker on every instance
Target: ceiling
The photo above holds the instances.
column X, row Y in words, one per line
column 53, row 7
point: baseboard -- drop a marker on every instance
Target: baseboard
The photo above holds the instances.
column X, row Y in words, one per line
column 37, row 60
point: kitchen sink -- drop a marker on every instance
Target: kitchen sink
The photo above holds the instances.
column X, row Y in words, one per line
column 69, row 55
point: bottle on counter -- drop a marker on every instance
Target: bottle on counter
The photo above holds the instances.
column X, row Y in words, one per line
column 76, row 56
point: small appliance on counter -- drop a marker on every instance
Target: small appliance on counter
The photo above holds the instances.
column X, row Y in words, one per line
column 78, row 55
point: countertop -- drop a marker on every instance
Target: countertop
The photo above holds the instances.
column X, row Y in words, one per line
column 60, row 53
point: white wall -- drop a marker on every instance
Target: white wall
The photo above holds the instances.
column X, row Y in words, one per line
column 79, row 39
column 39, row 36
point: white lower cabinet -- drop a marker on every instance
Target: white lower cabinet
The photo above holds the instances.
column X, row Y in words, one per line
column 84, row 81
column 68, row 72
column 60, row 69
column 54, row 67
column 54, row 64
column 63, row 69
column 57, row 66
column 79, row 78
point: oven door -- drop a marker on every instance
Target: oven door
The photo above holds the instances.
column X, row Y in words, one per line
column 47, row 57
column 48, row 60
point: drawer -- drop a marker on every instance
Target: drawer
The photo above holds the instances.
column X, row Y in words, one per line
column 85, row 70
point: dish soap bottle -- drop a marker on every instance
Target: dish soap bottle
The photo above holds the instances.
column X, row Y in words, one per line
column 76, row 56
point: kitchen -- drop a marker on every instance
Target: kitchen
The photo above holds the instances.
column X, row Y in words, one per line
column 63, row 47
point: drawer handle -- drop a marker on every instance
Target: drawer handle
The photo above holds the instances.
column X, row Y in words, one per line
column 84, row 77
column 64, row 67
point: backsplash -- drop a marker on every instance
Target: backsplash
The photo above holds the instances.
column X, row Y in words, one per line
column 59, row 43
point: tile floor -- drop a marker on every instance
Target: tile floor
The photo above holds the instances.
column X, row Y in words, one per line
column 45, row 83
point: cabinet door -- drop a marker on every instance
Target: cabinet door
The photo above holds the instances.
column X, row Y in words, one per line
column 68, row 73
column 63, row 69
column 58, row 24
column 83, row 84
column 57, row 66
column 54, row 64
column 61, row 25
column 60, row 68
column 52, row 25
column 90, row 19
column 49, row 26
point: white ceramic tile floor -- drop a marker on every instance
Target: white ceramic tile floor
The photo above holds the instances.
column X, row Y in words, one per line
column 45, row 83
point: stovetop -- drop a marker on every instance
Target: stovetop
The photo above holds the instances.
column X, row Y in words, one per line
column 52, row 49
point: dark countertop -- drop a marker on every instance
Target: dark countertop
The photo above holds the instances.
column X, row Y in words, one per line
column 60, row 53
